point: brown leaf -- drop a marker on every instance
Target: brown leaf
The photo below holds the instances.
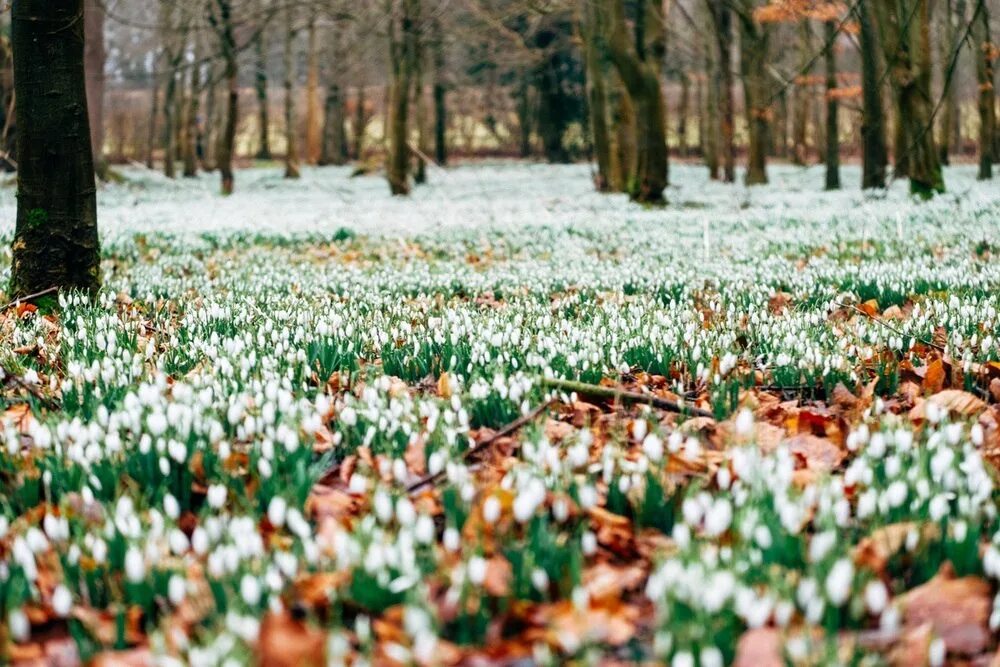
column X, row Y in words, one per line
column 498, row 576
column 778, row 302
column 286, row 642
column 954, row 401
column 934, row 377
column 557, row 431
column 605, row 581
column 818, row 454
column 875, row 550
column 958, row 610
column 444, row 386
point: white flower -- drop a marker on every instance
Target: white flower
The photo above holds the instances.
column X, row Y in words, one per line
column 20, row 626
column 176, row 589
column 744, row 423
column 491, row 510
column 250, row 590
column 682, row 659
column 276, row 511
column 171, row 507
column 217, row 496
column 135, row 565
column 710, row 656
column 156, row 422
column 477, row 570
column 653, row 447
column 876, row 596
column 348, row 416
column 62, row 601
column 838, row 581
column 936, row 652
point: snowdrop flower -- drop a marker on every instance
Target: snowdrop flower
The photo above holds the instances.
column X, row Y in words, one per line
column 217, row 494
column 491, row 510
column 276, row 511
column 62, row 601
column 876, row 596
column 176, row 589
column 20, row 626
column 653, row 447
column 135, row 565
column 744, row 423
column 250, row 590
column 476, row 570
column 838, row 581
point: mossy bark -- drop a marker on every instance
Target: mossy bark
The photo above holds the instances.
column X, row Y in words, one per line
column 754, row 41
column 984, row 50
column 874, row 153
column 904, row 30
column 55, row 239
column 403, row 48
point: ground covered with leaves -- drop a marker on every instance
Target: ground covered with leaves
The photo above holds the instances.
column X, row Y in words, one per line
column 509, row 421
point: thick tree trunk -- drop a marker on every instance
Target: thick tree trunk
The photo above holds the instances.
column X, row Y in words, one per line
column 626, row 151
column 260, row 86
column 954, row 12
column 403, row 44
column 227, row 140
column 874, row 155
column 314, row 124
column 753, row 67
column 291, row 124
column 597, row 96
column 8, row 133
column 420, row 117
column 638, row 64
column 905, row 34
column 209, row 131
column 900, row 156
column 55, row 239
column 722, row 24
column 334, row 148
column 986, row 102
column 95, row 55
column 440, row 96
column 803, row 97
column 524, row 115
column 832, row 128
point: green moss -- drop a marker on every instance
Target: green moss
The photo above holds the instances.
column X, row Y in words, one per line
column 37, row 217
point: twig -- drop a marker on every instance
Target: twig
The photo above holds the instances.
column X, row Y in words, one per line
column 480, row 446
column 625, row 396
column 29, row 297
column 888, row 326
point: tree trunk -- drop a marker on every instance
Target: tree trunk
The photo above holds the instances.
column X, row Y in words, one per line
column 905, row 34
column 334, row 147
column 420, row 117
column 154, row 113
column 313, row 121
column 360, row 123
column 192, row 132
column 756, row 91
column 946, row 46
column 169, row 119
column 874, row 155
column 803, row 96
column 8, row 135
column 682, row 114
column 403, row 39
column 524, row 115
column 722, row 24
column 94, row 59
column 223, row 25
column 291, row 125
column 626, row 151
column 260, row 85
column 440, row 96
column 832, row 128
column 638, row 64
column 55, row 239
column 597, row 96
column 710, row 116
column 209, row 139
column 984, row 50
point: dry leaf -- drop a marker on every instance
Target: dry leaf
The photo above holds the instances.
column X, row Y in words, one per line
column 958, row 609
column 954, row 401
column 761, row 647
column 286, row 642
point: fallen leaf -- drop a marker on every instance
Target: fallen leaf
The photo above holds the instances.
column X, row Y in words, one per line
column 760, row 647
column 933, row 381
column 955, row 401
column 957, row 608
column 286, row 642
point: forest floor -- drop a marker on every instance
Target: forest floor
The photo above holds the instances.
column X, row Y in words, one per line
column 509, row 421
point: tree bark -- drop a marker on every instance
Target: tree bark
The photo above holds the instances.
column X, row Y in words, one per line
column 754, row 40
column 986, row 101
column 832, row 127
column 192, row 132
column 291, row 124
column 874, row 154
column 440, row 96
column 710, row 133
column 260, row 86
column 313, row 122
column 360, row 123
column 597, row 96
column 95, row 56
column 638, row 64
column 682, row 114
column 722, row 23
column 222, row 22
column 803, row 97
column 154, row 113
column 55, row 239
column 904, row 27
column 334, row 148
column 402, row 43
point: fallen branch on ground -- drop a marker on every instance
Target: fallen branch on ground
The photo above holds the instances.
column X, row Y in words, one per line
column 480, row 446
column 625, row 396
